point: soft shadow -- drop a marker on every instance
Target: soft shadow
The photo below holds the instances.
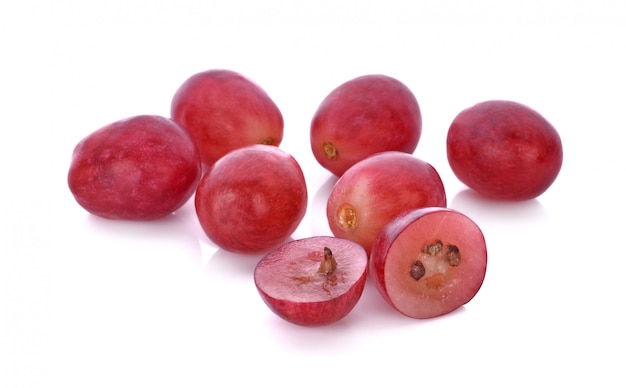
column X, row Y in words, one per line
column 177, row 230
column 229, row 264
column 337, row 336
column 323, row 191
column 485, row 209
column 372, row 314
column 317, row 207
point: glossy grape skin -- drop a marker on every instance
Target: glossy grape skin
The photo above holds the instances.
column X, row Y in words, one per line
column 504, row 150
column 139, row 168
column 252, row 199
column 377, row 189
column 223, row 110
column 363, row 116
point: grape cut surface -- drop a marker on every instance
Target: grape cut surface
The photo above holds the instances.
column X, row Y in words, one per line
column 429, row 262
column 299, row 286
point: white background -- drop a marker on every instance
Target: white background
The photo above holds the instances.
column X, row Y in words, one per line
column 86, row 302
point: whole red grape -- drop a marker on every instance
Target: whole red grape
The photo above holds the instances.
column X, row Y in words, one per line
column 139, row 168
column 377, row 189
column 504, row 150
column 252, row 199
column 366, row 115
column 223, row 110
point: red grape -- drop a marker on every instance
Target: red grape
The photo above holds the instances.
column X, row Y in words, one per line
column 377, row 189
column 428, row 262
column 139, row 168
column 252, row 199
column 313, row 281
column 222, row 110
column 363, row 116
column 504, row 150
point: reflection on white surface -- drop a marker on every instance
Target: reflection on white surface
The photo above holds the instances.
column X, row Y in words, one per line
column 498, row 212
